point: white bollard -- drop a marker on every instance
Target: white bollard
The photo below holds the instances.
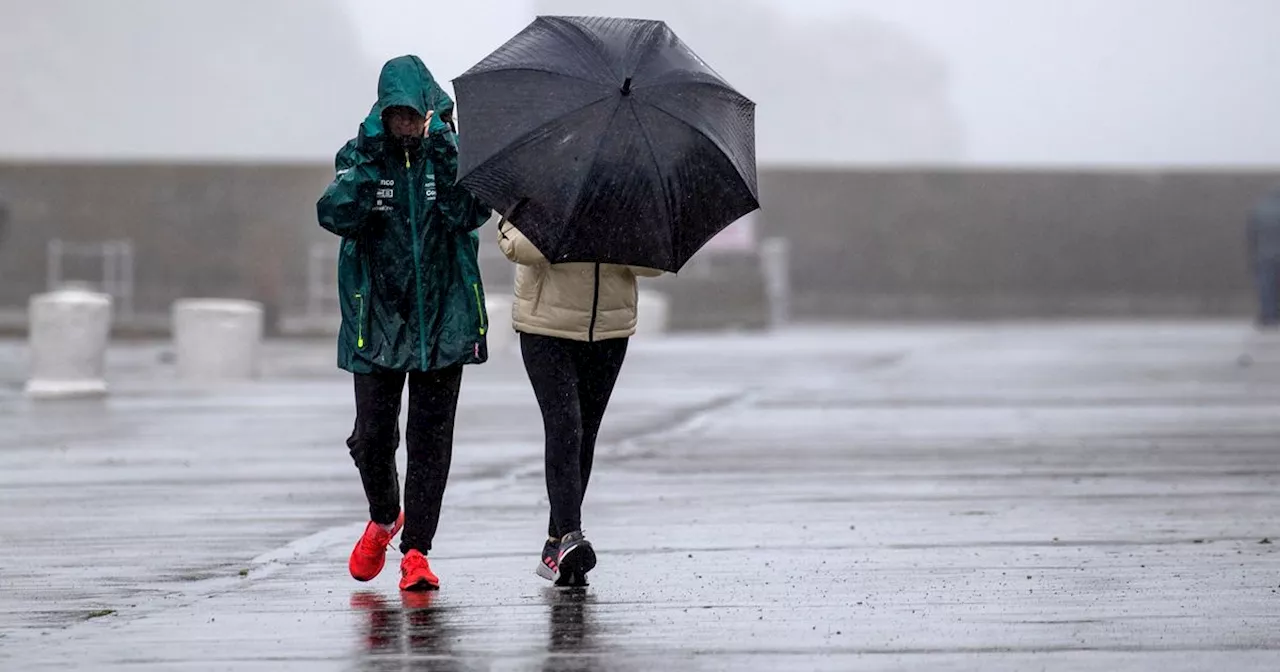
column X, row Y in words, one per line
column 69, row 333
column 654, row 318
column 217, row 340
column 775, row 265
column 500, row 336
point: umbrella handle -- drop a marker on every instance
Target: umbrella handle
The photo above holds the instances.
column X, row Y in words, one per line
column 509, row 215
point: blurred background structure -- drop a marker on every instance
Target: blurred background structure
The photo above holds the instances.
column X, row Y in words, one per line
column 924, row 159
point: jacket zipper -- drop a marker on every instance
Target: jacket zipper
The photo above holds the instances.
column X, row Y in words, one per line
column 360, row 324
column 417, row 260
column 484, row 325
column 595, row 308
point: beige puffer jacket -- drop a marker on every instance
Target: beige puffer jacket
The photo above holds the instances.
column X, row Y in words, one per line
column 562, row 300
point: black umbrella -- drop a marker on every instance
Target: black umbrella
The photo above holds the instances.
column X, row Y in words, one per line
column 608, row 140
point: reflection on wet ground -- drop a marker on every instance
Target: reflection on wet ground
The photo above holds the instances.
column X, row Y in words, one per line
column 572, row 635
column 412, row 630
column 1000, row 498
column 409, row 628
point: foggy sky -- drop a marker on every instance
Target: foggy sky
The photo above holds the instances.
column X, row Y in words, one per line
column 1084, row 82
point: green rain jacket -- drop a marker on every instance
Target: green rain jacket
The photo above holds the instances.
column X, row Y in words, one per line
column 408, row 276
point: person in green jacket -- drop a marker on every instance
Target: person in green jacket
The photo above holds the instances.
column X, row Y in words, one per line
column 412, row 306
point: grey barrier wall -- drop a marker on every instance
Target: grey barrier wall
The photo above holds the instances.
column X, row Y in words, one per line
column 864, row 244
column 952, row 244
column 225, row 231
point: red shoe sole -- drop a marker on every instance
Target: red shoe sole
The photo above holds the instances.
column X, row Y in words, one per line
column 366, row 579
column 422, row 586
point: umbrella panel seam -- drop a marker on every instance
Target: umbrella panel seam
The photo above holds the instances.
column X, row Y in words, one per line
column 595, row 158
column 521, row 141
column 713, row 141
column 657, row 167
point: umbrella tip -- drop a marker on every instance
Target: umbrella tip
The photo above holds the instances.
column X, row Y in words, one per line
column 626, row 87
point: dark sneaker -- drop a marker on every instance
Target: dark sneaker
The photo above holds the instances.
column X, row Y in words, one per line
column 550, row 560
column 577, row 557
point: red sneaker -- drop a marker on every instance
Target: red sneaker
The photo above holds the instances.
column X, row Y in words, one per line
column 415, row 573
column 370, row 553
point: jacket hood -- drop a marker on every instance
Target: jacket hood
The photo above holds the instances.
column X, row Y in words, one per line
column 406, row 82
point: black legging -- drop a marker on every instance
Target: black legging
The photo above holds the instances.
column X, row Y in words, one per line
column 572, row 381
column 433, row 403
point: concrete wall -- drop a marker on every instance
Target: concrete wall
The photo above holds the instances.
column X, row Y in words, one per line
column 937, row 244
column 877, row 245
column 225, row 231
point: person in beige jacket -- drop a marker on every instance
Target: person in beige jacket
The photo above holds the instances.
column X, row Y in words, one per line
column 574, row 322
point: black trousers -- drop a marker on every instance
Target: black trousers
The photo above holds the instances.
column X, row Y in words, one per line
column 433, row 403
column 573, row 381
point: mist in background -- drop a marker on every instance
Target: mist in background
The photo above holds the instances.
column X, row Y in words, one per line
column 839, row 82
column 155, row 79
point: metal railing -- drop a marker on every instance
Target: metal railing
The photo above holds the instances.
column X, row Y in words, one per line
column 115, row 258
column 322, row 281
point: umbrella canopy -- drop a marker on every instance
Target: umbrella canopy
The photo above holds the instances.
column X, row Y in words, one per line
column 608, row 140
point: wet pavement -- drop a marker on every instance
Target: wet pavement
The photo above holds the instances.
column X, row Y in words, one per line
column 1001, row 498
